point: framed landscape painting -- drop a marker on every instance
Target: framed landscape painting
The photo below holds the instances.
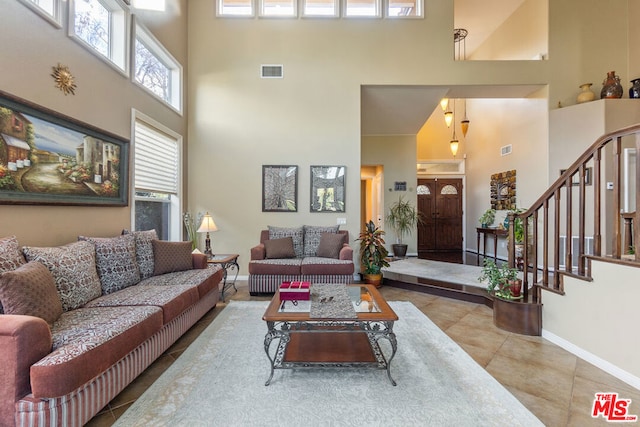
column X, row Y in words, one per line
column 328, row 188
column 48, row 158
column 279, row 188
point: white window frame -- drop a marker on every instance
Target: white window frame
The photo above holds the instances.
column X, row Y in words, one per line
column 335, row 14
column 54, row 18
column 162, row 54
column 120, row 34
column 419, row 11
column 377, row 14
column 264, row 14
column 220, row 11
column 175, row 215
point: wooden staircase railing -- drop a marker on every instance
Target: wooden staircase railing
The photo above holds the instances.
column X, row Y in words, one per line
column 557, row 214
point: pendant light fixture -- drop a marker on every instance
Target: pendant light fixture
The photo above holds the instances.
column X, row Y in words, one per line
column 453, row 144
column 444, row 104
column 460, row 43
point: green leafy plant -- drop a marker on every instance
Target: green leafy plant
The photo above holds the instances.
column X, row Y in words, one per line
column 487, row 217
column 372, row 249
column 191, row 226
column 403, row 218
column 499, row 279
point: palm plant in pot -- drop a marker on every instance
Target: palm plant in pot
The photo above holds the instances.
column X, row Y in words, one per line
column 403, row 218
column 372, row 253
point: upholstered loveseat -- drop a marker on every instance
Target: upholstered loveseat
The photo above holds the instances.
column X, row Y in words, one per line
column 81, row 321
column 314, row 254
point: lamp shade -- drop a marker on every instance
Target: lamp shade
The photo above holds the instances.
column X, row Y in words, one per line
column 448, row 117
column 444, row 103
column 207, row 224
column 453, row 144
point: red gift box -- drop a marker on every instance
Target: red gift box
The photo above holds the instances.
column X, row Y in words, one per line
column 295, row 291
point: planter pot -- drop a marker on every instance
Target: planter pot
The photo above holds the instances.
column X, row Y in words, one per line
column 515, row 287
column 373, row 279
column 399, row 250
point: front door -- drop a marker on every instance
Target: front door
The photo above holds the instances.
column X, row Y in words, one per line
column 440, row 201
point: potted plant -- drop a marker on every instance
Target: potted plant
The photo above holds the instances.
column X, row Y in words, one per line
column 503, row 282
column 403, row 218
column 372, row 253
column 487, row 218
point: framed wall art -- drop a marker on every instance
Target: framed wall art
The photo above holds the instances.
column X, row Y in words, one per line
column 328, row 188
column 48, row 158
column 503, row 190
column 279, row 188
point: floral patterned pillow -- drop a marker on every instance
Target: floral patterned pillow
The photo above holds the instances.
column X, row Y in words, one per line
column 115, row 261
column 295, row 233
column 312, row 235
column 73, row 267
column 144, row 251
column 10, row 256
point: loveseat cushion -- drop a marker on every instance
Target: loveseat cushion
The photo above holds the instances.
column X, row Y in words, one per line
column 30, row 290
column 204, row 279
column 10, row 256
column 171, row 256
column 275, row 266
column 318, row 265
column 73, row 267
column 296, row 233
column 312, row 236
column 330, row 245
column 173, row 299
column 279, row 248
column 87, row 341
column 115, row 261
column 144, row 251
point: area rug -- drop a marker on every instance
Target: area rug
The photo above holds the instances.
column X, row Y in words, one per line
column 219, row 381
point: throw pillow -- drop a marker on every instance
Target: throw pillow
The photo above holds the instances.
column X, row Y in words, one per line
column 279, row 248
column 171, row 256
column 330, row 245
column 10, row 256
column 73, row 268
column 144, row 251
column 297, row 234
column 312, row 236
column 30, row 290
column 115, row 261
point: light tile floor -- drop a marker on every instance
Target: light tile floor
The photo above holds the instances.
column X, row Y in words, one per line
column 552, row 383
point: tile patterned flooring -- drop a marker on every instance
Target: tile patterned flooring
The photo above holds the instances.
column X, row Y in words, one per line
column 555, row 385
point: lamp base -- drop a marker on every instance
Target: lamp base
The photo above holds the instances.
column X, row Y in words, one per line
column 207, row 247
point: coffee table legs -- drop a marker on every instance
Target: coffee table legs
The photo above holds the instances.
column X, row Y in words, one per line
column 391, row 336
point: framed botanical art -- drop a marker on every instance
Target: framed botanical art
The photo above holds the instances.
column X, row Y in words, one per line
column 49, row 158
column 279, row 188
column 328, row 188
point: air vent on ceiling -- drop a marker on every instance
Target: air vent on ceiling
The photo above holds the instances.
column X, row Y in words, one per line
column 271, row 71
column 506, row 150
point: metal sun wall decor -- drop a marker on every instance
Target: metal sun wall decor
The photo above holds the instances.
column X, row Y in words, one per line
column 64, row 80
column 49, row 158
column 327, row 188
column 503, row 190
column 279, row 188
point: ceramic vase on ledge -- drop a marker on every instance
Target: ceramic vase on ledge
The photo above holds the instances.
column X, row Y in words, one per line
column 586, row 95
column 611, row 87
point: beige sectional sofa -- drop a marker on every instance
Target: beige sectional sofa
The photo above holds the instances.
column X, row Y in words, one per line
column 316, row 254
column 82, row 321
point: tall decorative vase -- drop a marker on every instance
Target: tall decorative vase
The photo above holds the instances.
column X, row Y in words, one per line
column 611, row 87
column 634, row 91
column 587, row 94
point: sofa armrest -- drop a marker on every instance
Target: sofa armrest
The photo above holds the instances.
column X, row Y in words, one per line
column 346, row 252
column 24, row 340
column 199, row 261
column 258, row 252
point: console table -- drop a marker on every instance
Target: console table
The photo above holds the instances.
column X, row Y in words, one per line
column 226, row 261
column 495, row 232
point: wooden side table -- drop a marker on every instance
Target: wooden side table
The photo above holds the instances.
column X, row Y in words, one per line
column 226, row 261
column 493, row 231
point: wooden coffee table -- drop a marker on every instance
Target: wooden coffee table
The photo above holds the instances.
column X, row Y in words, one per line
column 306, row 342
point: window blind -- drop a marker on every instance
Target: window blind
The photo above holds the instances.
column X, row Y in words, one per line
column 156, row 160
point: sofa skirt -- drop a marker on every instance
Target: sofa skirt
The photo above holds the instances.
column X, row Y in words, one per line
column 268, row 284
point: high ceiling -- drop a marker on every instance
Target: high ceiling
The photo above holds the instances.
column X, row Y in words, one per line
column 402, row 110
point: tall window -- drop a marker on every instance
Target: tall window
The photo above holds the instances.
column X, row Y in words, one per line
column 157, row 154
column 234, row 8
column 362, row 8
column 280, row 8
column 327, row 8
column 48, row 9
column 103, row 27
column 156, row 69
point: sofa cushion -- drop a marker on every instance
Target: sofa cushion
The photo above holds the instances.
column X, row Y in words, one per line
column 330, row 245
column 275, row 266
column 115, row 261
column 30, row 290
column 204, row 279
column 73, row 267
column 296, row 233
column 317, row 265
column 171, row 256
column 86, row 342
column 144, row 251
column 10, row 256
column 312, row 235
column 279, row 248
column 173, row 300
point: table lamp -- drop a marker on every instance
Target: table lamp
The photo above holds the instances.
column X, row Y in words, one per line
column 207, row 225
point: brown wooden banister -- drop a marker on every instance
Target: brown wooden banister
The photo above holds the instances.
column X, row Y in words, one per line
column 583, row 182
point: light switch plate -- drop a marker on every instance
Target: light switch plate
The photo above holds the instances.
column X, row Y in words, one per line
column 341, row 221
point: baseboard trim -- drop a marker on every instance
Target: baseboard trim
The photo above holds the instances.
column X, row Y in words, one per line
column 606, row 366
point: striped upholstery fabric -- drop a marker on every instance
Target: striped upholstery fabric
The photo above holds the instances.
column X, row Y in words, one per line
column 268, row 284
column 78, row 407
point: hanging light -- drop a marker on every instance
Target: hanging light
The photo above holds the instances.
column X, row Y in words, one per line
column 460, row 53
column 444, row 103
column 448, row 117
column 453, row 144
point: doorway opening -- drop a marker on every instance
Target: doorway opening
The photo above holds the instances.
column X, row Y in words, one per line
column 371, row 194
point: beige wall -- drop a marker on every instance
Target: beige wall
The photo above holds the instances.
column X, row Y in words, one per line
column 104, row 98
column 596, row 317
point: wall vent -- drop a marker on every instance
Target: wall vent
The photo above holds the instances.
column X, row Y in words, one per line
column 271, row 71
column 505, row 150
column 588, row 250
